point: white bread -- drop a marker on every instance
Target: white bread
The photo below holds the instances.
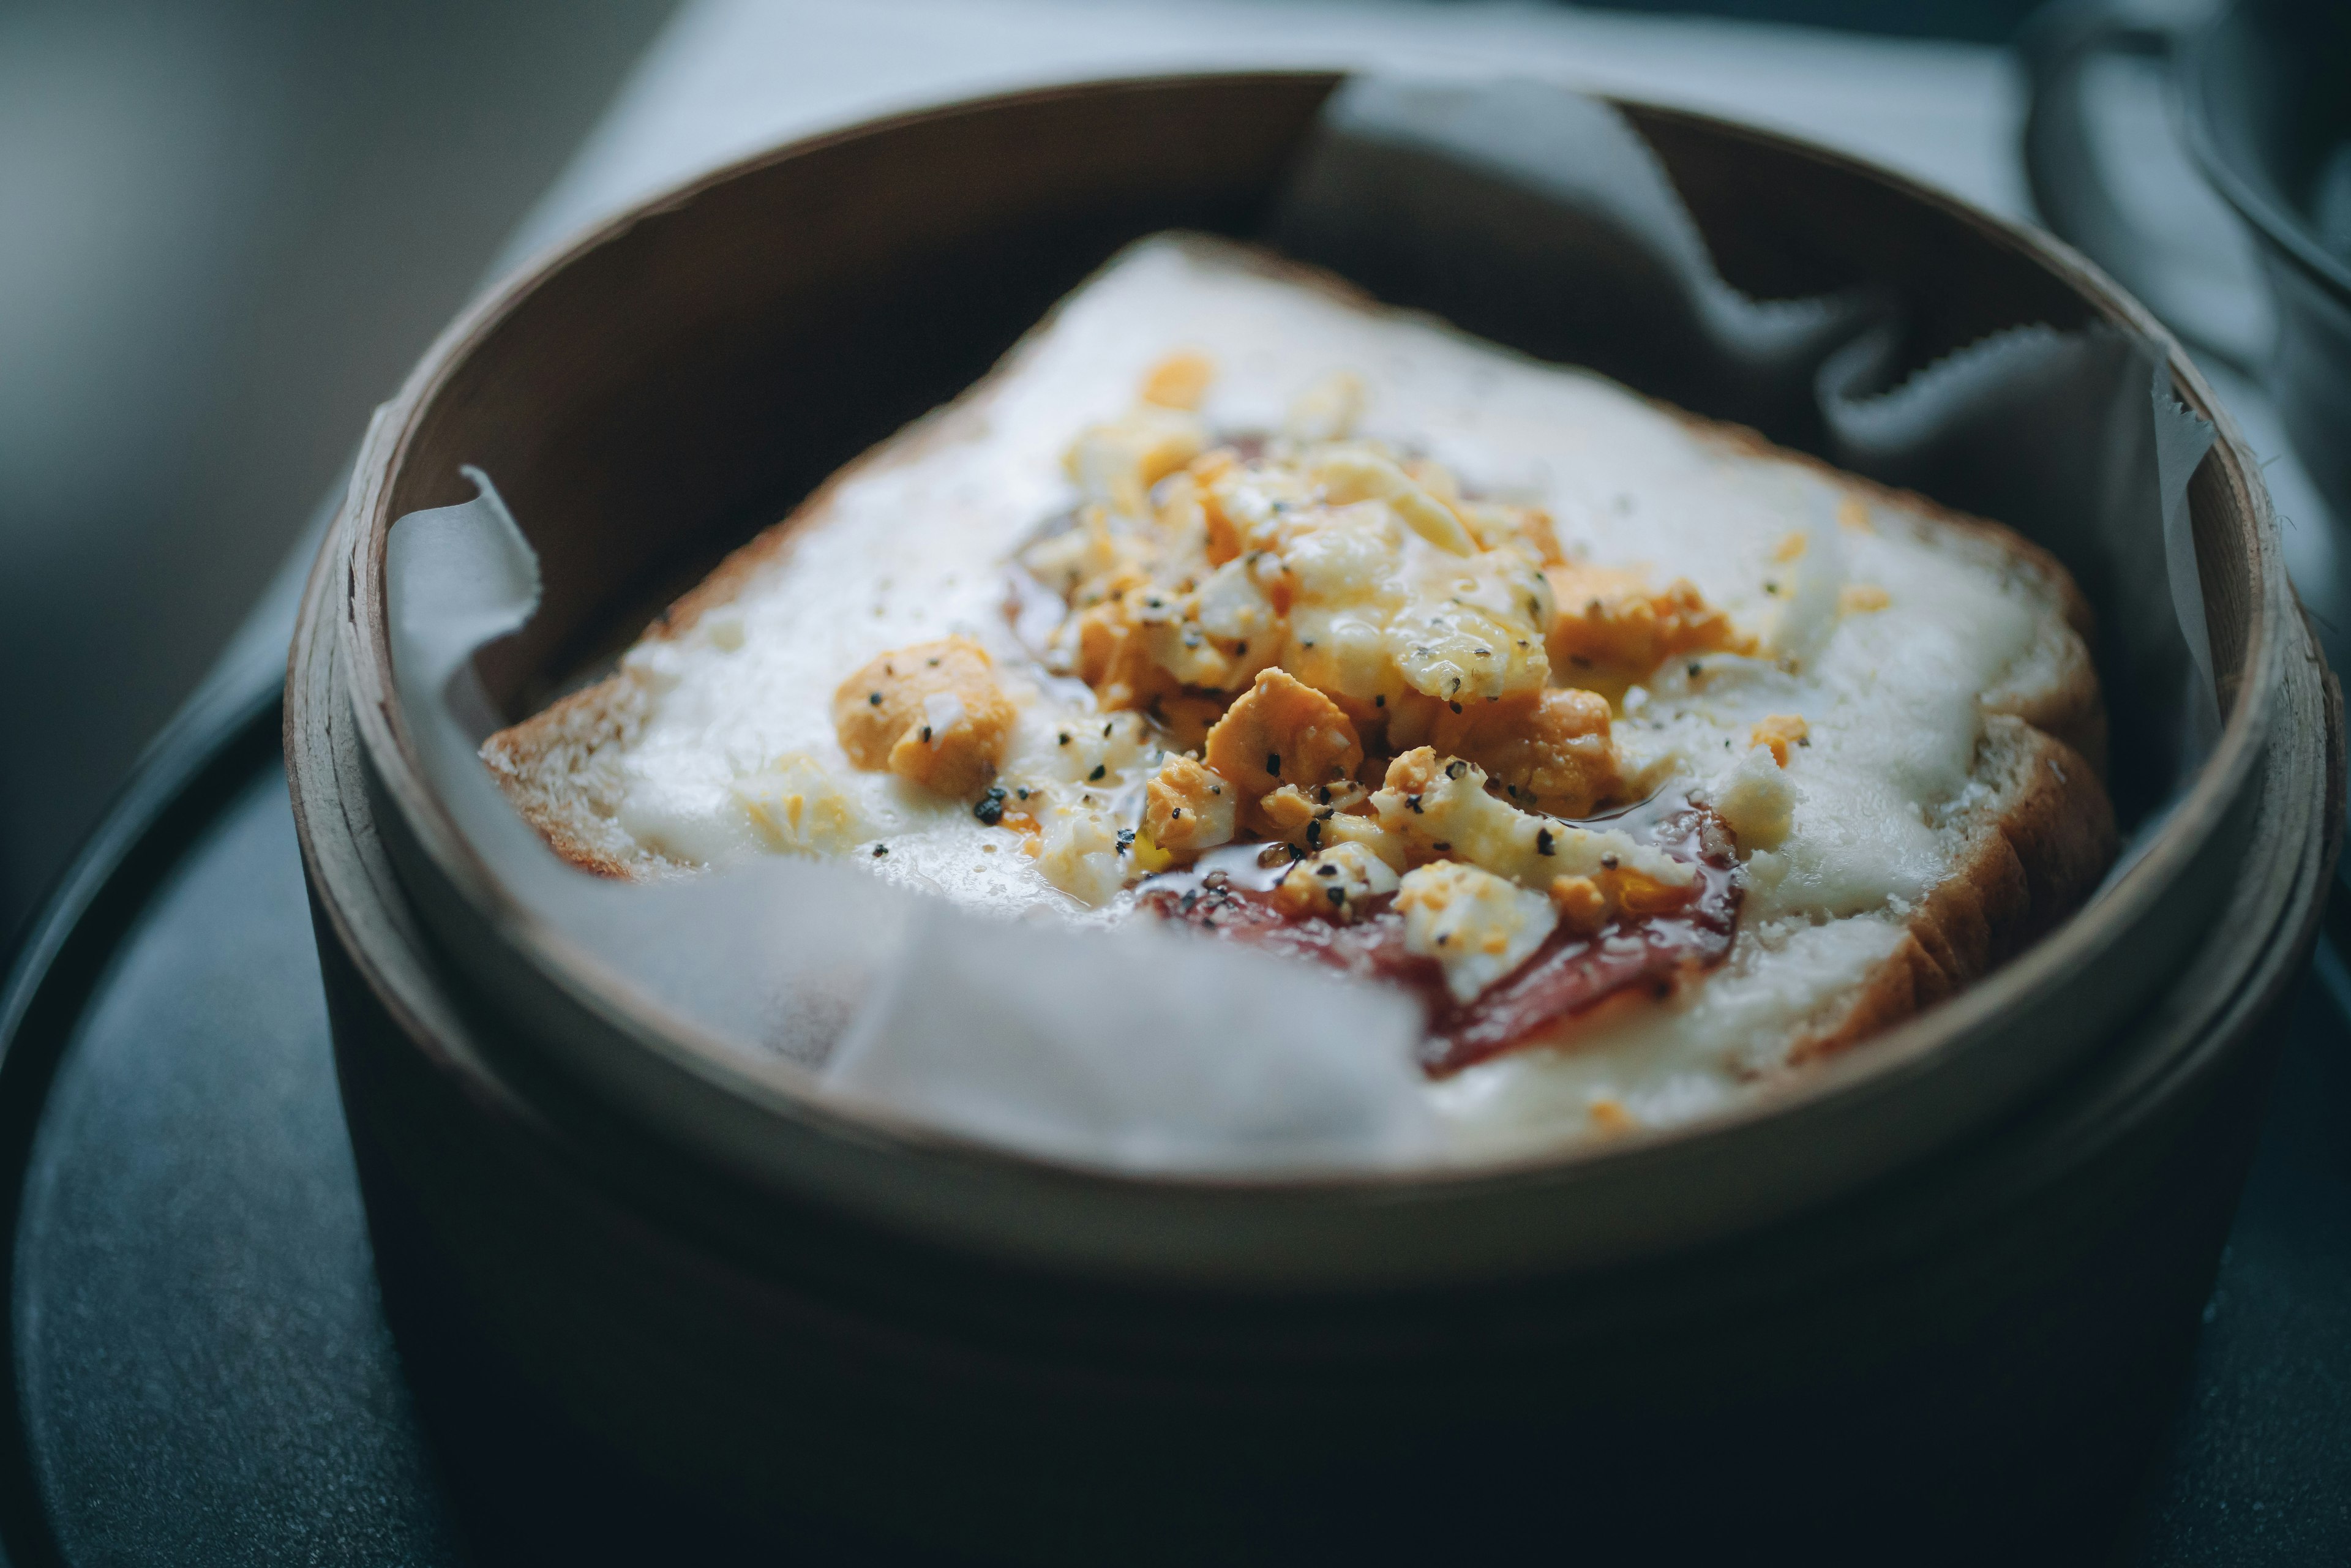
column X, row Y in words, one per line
column 1995, row 822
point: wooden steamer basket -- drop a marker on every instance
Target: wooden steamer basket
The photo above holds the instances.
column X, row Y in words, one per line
column 1939, row 1296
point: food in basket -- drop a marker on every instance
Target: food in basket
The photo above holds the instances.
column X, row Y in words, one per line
column 1654, row 761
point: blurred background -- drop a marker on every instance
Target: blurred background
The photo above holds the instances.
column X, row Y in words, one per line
column 226, row 229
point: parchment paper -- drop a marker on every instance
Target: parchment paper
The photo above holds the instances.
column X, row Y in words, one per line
column 1520, row 211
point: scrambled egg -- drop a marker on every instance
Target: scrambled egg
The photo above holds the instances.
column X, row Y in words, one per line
column 1187, row 808
column 1319, row 639
column 931, row 713
column 1335, row 884
column 1476, row 925
column 796, row 807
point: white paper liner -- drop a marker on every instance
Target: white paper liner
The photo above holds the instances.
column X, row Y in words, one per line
column 1536, row 216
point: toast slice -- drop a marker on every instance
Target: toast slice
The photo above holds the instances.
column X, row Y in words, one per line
column 1976, row 744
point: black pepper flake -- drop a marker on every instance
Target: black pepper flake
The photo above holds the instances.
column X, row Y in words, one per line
column 1607, row 862
column 1273, row 763
column 1665, row 989
column 1457, row 768
column 1544, row 843
column 873, row 697
column 1454, row 688
column 1337, row 895
column 1065, row 738
column 881, row 849
column 1322, row 795
column 1485, row 654
column 1380, row 702
column 1413, row 801
column 1023, row 792
column 1441, row 849
column 1456, row 708
column 1241, row 649
column 1696, row 669
column 1306, row 642
column 1770, row 586
column 1314, row 835
column 1443, row 938
column 1126, row 840
column 1099, row 768
column 933, row 662
column 1106, row 731
column 1295, row 852
column 1184, row 906
column 1326, row 871
column 1579, row 661
column 927, row 733
column 990, row 807
column 1176, row 814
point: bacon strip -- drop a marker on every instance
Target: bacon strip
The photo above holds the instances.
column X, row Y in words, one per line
column 1568, row 975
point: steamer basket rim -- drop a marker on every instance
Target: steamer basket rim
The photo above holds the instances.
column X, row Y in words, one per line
column 2030, row 977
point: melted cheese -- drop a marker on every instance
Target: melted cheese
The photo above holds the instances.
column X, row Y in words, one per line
column 1878, row 636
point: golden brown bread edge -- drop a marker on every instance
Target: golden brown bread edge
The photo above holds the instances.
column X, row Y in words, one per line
column 2038, row 848
column 2035, row 854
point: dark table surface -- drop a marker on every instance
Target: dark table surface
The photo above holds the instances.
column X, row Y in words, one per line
column 201, row 1370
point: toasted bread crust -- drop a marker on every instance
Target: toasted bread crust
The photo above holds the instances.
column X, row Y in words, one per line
column 2036, row 852
column 550, row 767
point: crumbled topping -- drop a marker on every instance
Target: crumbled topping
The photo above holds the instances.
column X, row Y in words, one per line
column 1362, row 572
column 1609, row 1116
column 1188, row 809
column 1283, row 731
column 1476, row 925
column 1179, row 381
column 1334, row 883
column 1756, row 801
column 932, row 713
column 1612, row 627
column 1116, row 464
column 1546, row 750
column 1777, row 732
column 1440, row 808
column 1280, row 622
column 1327, row 411
column 796, row 807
